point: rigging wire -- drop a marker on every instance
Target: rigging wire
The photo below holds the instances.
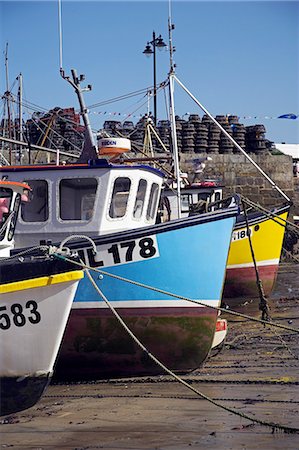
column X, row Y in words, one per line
column 119, row 98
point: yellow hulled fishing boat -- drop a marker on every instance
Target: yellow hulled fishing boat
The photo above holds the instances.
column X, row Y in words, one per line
column 266, row 232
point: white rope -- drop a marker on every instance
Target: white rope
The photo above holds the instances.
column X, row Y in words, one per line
column 179, row 379
column 170, row 294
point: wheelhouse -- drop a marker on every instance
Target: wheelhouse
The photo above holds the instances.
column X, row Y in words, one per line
column 195, row 198
column 92, row 199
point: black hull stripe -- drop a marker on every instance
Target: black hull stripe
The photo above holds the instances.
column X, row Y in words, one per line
column 255, row 218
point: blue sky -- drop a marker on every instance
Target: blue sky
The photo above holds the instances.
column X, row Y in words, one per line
column 236, row 57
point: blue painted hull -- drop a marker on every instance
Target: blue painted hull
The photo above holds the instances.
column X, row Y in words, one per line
column 187, row 258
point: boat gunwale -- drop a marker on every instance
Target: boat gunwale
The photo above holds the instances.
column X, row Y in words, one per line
column 50, row 280
column 261, row 216
column 144, row 231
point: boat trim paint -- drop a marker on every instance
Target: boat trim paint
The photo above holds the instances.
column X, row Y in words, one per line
column 268, row 262
column 138, row 305
column 41, row 281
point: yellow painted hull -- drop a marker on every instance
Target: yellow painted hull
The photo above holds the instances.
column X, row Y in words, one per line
column 267, row 239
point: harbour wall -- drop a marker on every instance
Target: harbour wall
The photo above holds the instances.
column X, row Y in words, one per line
column 238, row 175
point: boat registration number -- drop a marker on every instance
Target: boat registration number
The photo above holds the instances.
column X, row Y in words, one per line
column 241, row 234
column 17, row 315
column 123, row 252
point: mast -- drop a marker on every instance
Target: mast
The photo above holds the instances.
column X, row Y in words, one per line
column 20, row 95
column 172, row 115
column 7, row 101
column 20, row 107
column 75, row 83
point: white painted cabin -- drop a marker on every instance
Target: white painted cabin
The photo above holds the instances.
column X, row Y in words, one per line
column 89, row 199
column 194, row 198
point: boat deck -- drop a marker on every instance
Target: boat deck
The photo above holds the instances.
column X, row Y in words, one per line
column 257, row 373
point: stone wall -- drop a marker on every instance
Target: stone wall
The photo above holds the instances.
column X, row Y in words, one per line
column 296, row 196
column 238, row 175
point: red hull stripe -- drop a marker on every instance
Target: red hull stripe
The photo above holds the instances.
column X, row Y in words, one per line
column 141, row 312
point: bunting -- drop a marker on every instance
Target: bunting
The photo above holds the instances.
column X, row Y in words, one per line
column 290, row 116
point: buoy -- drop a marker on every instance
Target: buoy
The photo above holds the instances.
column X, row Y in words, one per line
column 114, row 146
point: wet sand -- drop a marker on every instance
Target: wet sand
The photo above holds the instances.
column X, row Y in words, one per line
column 257, row 373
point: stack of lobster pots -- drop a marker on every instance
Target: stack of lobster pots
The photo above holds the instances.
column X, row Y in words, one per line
column 137, row 135
column 255, row 139
column 179, row 132
column 164, row 132
column 128, row 127
column 239, row 132
column 202, row 135
column 188, row 136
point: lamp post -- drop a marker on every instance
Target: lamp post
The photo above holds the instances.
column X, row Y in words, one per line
column 150, row 49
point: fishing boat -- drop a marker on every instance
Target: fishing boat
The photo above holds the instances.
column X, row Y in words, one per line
column 36, row 295
column 220, row 334
column 11, row 195
column 116, row 205
column 266, row 230
column 151, row 273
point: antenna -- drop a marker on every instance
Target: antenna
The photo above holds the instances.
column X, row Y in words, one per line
column 6, row 67
column 175, row 153
column 171, row 48
column 7, row 97
column 60, row 35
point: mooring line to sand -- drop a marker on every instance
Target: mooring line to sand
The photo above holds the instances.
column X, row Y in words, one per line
column 83, row 265
column 272, row 215
column 272, row 425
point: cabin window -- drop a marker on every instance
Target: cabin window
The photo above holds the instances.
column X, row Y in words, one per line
column 153, row 200
column 37, row 209
column 120, row 197
column 77, row 198
column 217, row 196
column 203, row 196
column 5, row 199
column 139, row 202
column 186, row 201
column 14, row 218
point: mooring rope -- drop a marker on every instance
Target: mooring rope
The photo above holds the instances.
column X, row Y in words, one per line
column 170, row 294
column 263, row 306
column 285, row 345
column 290, row 255
column 274, row 426
column 272, row 215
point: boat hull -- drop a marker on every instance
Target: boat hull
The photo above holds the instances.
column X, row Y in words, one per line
column 34, row 313
column 186, row 258
column 267, row 239
column 96, row 345
column 18, row 394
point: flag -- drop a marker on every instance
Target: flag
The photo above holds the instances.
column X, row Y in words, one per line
column 288, row 116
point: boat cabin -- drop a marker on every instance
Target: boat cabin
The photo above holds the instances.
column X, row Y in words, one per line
column 90, row 199
column 195, row 198
column 11, row 196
